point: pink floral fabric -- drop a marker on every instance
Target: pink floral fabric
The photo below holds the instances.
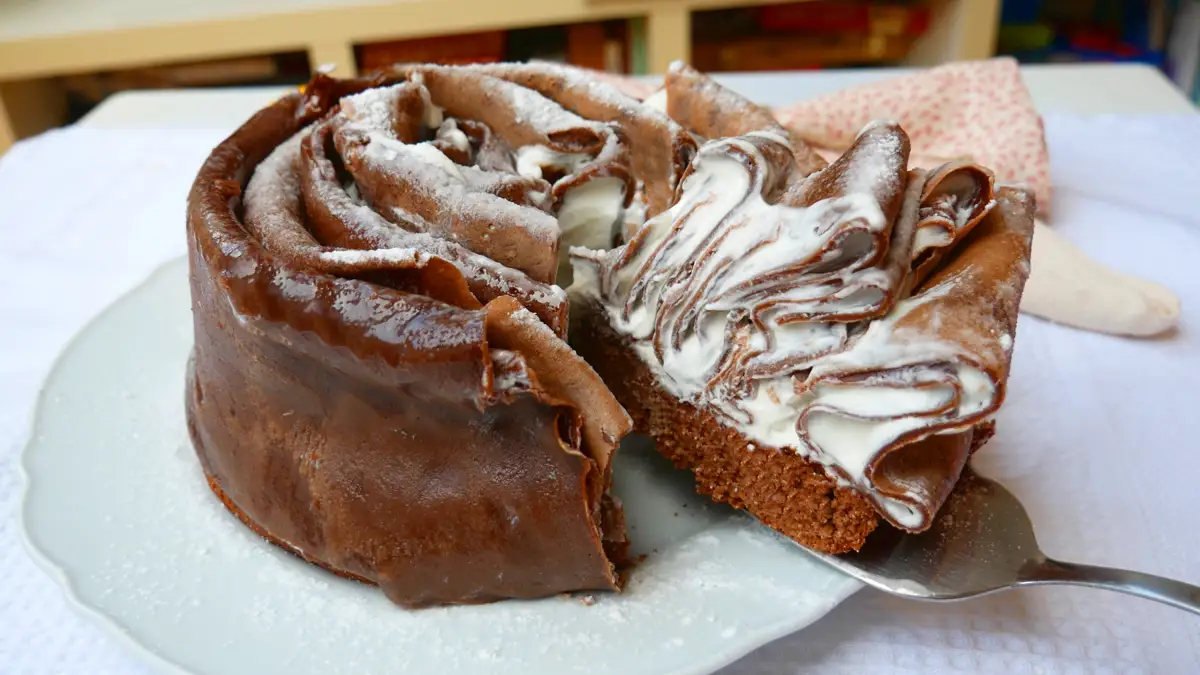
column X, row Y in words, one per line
column 973, row 109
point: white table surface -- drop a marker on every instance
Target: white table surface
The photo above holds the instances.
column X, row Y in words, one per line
column 1031, row 631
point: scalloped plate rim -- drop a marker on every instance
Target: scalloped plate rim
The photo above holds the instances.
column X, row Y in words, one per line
column 113, row 626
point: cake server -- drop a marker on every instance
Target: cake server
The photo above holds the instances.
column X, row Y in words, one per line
column 983, row 542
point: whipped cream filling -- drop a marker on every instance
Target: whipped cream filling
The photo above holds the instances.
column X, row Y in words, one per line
column 450, row 133
column 589, row 213
column 956, row 196
column 657, row 101
column 726, row 235
column 635, row 214
column 913, row 383
column 532, row 160
column 930, row 237
column 838, row 393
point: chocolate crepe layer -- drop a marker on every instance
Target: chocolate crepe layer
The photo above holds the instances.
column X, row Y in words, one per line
column 376, row 385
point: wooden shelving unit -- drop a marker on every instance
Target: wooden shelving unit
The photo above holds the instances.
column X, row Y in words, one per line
column 43, row 40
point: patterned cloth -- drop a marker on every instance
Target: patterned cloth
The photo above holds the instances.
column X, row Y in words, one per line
column 976, row 109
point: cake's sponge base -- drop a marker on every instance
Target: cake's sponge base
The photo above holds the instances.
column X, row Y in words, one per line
column 782, row 489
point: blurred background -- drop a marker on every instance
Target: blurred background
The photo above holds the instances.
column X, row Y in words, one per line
column 60, row 58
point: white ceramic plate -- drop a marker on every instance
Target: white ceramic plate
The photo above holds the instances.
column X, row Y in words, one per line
column 116, row 510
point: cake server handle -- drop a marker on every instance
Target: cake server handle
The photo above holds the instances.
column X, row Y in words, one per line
column 1167, row 591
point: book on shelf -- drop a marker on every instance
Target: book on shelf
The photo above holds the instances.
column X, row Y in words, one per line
column 881, row 18
column 464, row 49
column 789, row 52
column 807, row 35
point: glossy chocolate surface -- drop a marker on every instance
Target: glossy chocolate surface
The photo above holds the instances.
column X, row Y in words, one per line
column 364, row 426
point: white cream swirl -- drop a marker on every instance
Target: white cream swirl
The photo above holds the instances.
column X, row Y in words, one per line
column 781, row 308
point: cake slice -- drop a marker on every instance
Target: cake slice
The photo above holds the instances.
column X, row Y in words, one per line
column 823, row 346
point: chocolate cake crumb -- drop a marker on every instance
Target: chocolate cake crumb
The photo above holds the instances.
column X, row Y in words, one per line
column 782, row 489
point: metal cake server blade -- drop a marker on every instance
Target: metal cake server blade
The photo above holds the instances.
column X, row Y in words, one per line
column 982, row 542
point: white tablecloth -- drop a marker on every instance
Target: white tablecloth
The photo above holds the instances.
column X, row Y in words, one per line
column 1098, row 438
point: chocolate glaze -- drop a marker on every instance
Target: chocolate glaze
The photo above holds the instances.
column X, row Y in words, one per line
column 384, row 448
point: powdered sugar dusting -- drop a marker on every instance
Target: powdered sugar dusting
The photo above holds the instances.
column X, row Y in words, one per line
column 451, row 185
column 528, row 319
column 393, row 256
column 582, row 81
column 295, row 287
column 509, row 371
column 275, row 182
column 878, row 160
column 373, row 108
column 537, row 110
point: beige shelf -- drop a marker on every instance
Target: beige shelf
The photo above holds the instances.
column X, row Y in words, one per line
column 44, row 39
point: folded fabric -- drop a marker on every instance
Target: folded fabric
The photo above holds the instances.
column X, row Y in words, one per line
column 1068, row 287
column 974, row 109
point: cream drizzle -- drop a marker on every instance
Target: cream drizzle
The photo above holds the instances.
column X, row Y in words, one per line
column 700, row 290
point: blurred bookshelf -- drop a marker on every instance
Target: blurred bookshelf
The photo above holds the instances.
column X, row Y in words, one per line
column 811, row 35
column 788, row 36
column 1164, row 34
column 85, row 91
column 58, row 58
column 600, row 45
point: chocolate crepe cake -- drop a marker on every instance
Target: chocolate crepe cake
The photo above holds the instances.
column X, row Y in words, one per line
column 380, row 380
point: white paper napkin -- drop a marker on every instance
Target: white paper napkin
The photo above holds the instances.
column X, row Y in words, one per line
column 1098, row 437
